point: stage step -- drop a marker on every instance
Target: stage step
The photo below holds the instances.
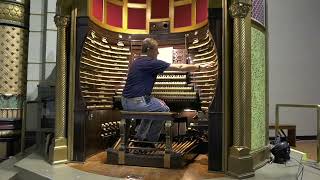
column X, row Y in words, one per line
column 35, row 167
column 8, row 170
column 32, row 166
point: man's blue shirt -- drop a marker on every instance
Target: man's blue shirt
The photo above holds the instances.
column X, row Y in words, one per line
column 142, row 76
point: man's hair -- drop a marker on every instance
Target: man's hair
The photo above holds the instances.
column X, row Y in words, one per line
column 147, row 44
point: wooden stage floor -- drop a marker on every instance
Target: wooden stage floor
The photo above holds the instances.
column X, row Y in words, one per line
column 194, row 171
column 309, row 147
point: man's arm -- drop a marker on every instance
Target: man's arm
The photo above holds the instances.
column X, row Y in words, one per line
column 183, row 67
column 188, row 67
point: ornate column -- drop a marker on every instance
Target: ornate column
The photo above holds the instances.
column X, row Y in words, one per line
column 59, row 148
column 14, row 38
column 240, row 160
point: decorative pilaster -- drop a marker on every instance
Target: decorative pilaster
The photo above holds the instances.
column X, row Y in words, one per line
column 59, row 148
column 240, row 160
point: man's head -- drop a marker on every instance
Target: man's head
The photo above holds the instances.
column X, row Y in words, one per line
column 150, row 47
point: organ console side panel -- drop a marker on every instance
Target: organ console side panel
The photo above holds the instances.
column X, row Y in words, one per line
column 217, row 123
column 101, row 66
column 204, row 51
column 80, row 113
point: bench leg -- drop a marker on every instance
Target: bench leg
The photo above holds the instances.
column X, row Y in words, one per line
column 123, row 144
column 168, row 147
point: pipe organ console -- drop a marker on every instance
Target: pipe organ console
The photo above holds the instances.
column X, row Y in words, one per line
column 102, row 68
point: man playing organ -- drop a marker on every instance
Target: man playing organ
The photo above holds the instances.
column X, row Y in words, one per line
column 136, row 94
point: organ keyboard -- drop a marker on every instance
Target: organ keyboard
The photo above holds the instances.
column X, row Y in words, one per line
column 174, row 89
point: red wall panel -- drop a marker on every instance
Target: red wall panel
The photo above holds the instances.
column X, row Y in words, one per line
column 202, row 10
column 159, row 9
column 97, row 9
column 182, row 16
column 114, row 15
column 136, row 18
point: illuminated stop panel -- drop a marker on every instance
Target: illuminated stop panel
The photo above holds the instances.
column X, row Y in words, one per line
column 135, row 16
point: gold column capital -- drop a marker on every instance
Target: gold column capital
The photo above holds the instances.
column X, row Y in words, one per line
column 61, row 21
column 240, row 8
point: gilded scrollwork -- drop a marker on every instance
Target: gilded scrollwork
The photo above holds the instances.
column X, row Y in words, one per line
column 240, row 8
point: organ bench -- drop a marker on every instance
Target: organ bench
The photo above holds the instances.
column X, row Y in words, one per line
column 172, row 153
column 127, row 116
